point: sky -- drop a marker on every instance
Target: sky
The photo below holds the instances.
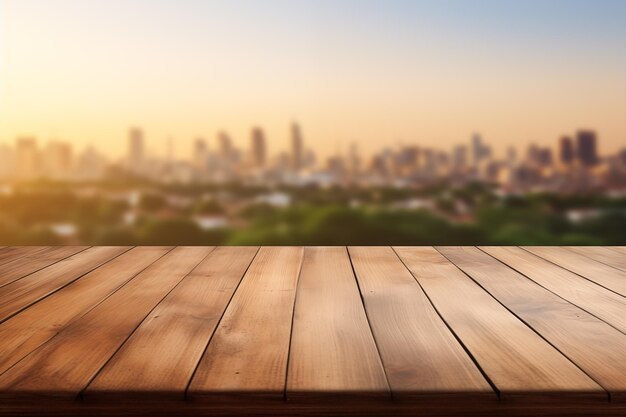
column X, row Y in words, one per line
column 376, row 73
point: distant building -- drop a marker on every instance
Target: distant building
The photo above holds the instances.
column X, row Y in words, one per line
column 459, row 157
column 567, row 153
column 200, row 155
column 136, row 148
column 297, row 148
column 27, row 158
column 586, row 146
column 258, row 148
column 480, row 151
column 58, row 160
column 224, row 145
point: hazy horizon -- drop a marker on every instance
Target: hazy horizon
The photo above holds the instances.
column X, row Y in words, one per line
column 371, row 72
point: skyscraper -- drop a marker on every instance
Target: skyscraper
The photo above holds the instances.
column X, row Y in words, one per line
column 136, row 151
column 566, row 150
column 258, row 148
column 296, row 147
column 27, row 157
column 224, row 145
column 586, row 146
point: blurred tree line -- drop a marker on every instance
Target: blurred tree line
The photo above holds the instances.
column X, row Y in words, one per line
column 470, row 215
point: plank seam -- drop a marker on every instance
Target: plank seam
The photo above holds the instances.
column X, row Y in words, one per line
column 458, row 339
column 66, row 325
column 293, row 313
column 547, row 289
column 9, row 260
column 64, row 285
column 80, row 395
column 573, row 272
column 528, row 325
column 195, row 369
column 593, row 259
column 369, row 323
column 43, row 267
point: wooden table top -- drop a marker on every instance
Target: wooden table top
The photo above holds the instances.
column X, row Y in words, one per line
column 312, row 330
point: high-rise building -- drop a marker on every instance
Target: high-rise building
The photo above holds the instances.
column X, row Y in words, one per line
column 200, row 155
column 297, row 148
column 136, row 148
column 258, row 148
column 567, row 153
column 27, row 157
column 58, row 159
column 586, row 147
column 224, row 145
column 480, row 151
column 459, row 157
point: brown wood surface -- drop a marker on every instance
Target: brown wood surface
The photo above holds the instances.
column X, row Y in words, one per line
column 163, row 352
column 602, row 254
column 25, row 291
column 518, row 361
column 420, row 354
column 607, row 276
column 249, row 350
column 25, row 332
column 65, row 364
column 31, row 261
column 333, row 352
column 14, row 253
column 593, row 298
column 359, row 331
column 597, row 348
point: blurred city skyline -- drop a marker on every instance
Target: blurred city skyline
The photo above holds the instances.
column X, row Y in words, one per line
column 372, row 73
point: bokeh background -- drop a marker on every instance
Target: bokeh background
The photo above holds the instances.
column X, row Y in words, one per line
column 312, row 122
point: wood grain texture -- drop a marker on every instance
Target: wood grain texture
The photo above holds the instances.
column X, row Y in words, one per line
column 519, row 362
column 162, row 354
column 16, row 252
column 64, row 365
column 248, row 352
column 597, row 348
column 25, row 332
column 600, row 302
column 24, row 292
column 595, row 271
column 18, row 267
column 420, row 354
column 333, row 352
column 602, row 254
column 310, row 331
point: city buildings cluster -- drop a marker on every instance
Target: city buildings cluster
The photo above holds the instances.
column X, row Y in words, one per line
column 574, row 163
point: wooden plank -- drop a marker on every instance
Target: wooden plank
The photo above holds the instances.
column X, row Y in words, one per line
column 597, row 348
column 21, row 293
column 161, row 355
column 248, row 352
column 8, row 254
column 14, row 269
column 26, row 331
column 599, row 301
column 521, row 364
column 602, row 274
column 420, row 354
column 332, row 348
column 64, row 365
column 605, row 255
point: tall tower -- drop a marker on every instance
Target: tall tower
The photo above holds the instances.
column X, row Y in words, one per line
column 200, row 154
column 27, row 157
column 224, row 145
column 258, row 148
column 296, row 147
column 136, row 150
column 566, row 150
column 586, row 145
